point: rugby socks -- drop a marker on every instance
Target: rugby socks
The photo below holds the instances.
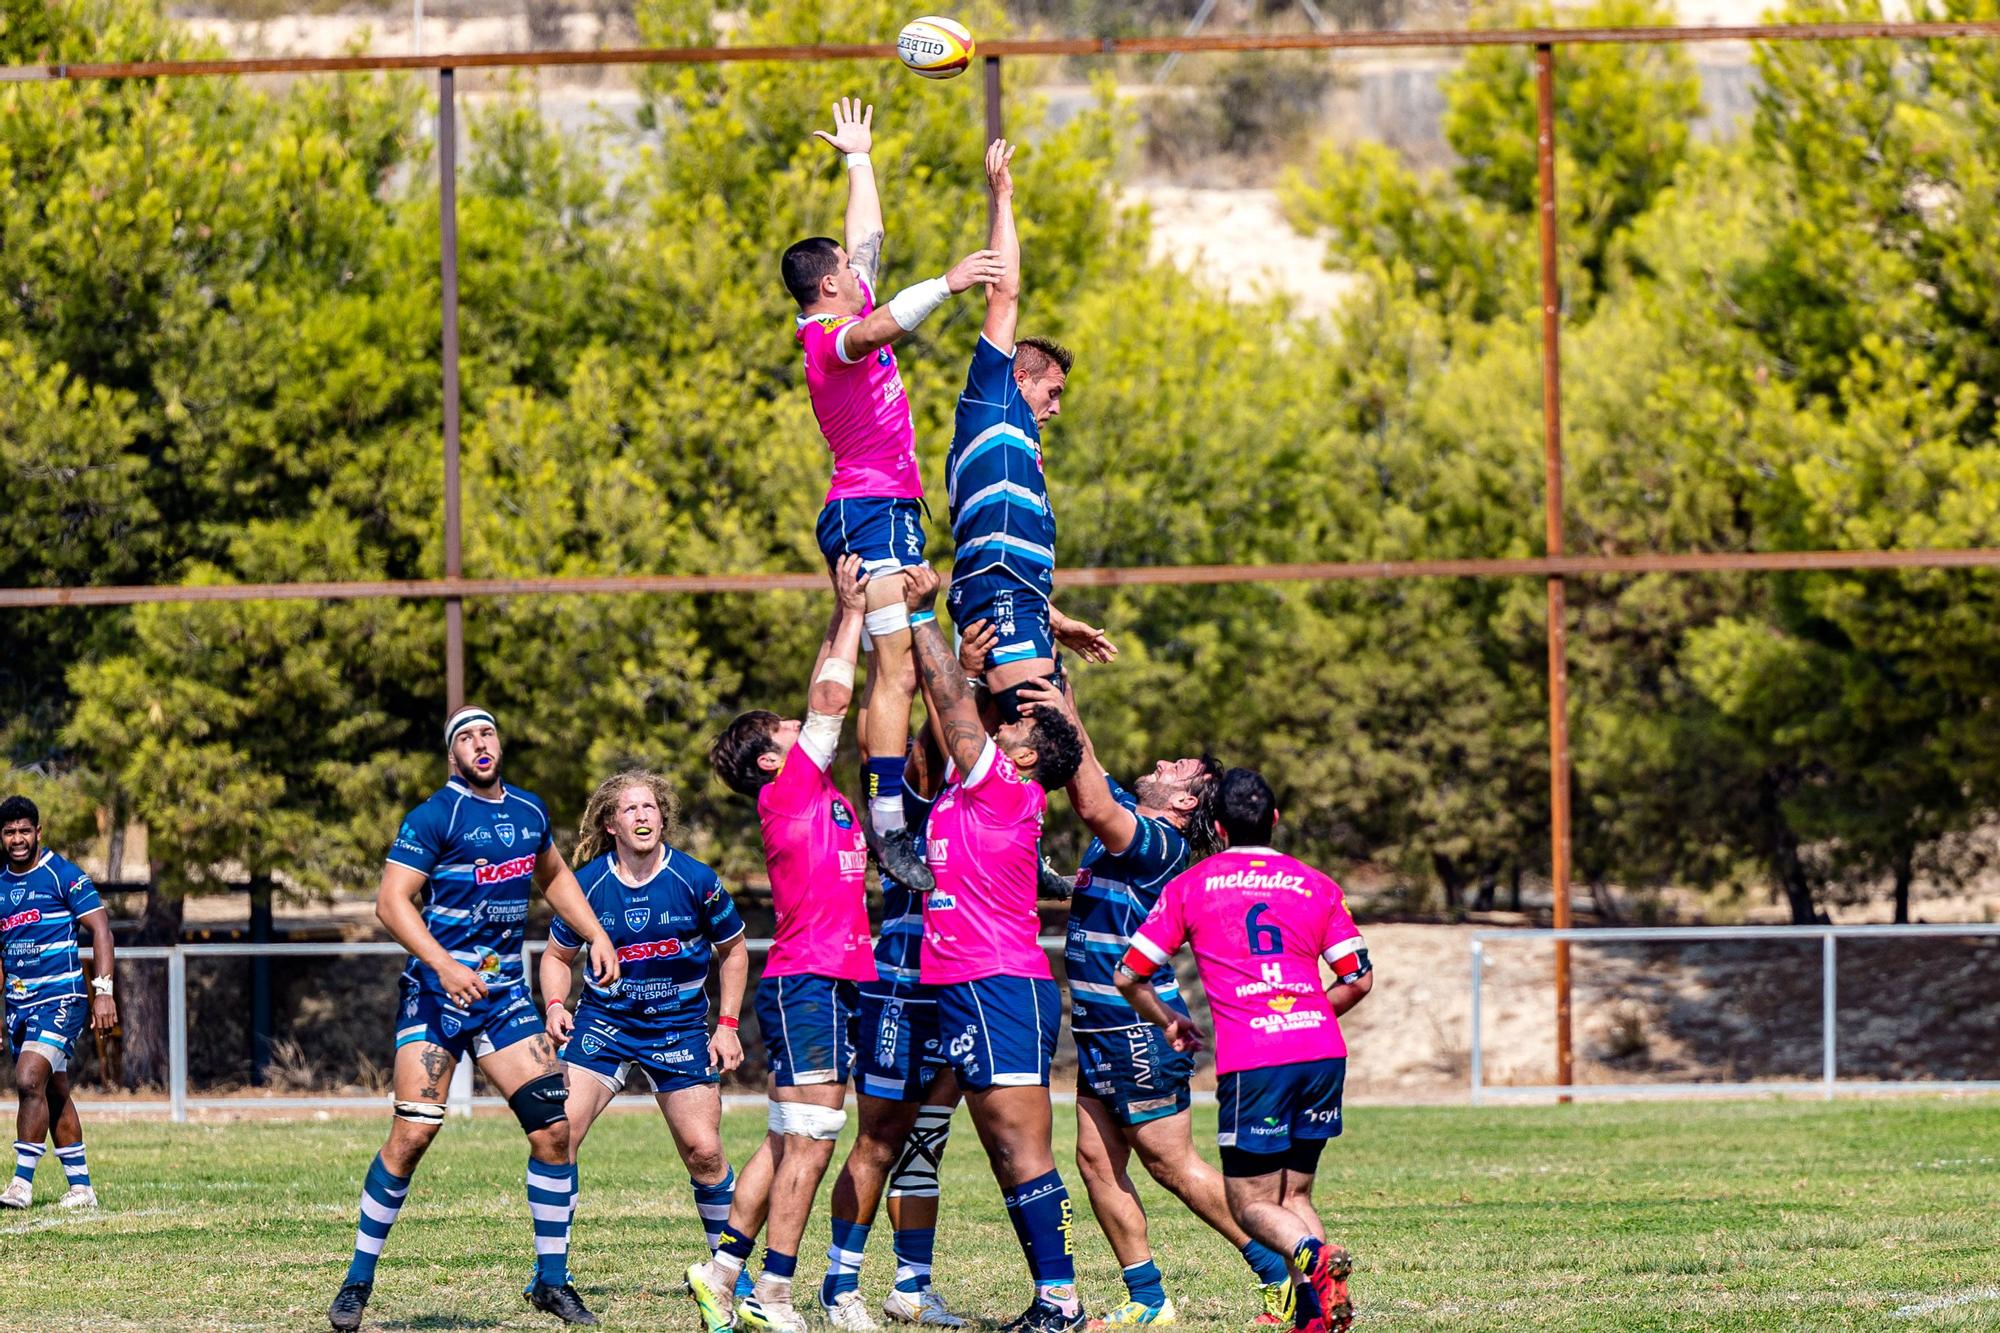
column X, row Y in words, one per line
column 843, row 1260
column 1266, row 1263
column 382, row 1195
column 774, row 1284
column 26, row 1157
column 1040, row 1211
column 552, row 1204
column 732, row 1252
column 712, row 1202
column 74, row 1166
column 1143, row 1281
column 1304, row 1256
column 1307, row 1311
column 914, row 1247
column 882, row 780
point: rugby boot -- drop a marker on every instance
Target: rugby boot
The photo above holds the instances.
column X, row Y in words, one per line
column 1042, row 1317
column 560, row 1301
column 714, row 1297
column 348, row 1305
column 900, row 854
column 769, row 1316
column 920, row 1307
column 1326, row 1267
column 1137, row 1312
column 1280, row 1305
column 79, row 1196
column 18, row 1194
column 849, row 1313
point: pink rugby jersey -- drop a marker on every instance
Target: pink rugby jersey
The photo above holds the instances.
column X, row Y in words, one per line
column 981, row 843
column 818, row 862
column 1259, row 923
column 863, row 412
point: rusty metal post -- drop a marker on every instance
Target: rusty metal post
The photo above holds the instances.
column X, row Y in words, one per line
column 454, row 547
column 1552, row 463
column 995, row 124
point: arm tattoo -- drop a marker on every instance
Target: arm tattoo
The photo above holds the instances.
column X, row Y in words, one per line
column 945, row 682
column 867, row 255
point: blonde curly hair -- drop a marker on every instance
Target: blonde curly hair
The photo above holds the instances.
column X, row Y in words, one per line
column 592, row 841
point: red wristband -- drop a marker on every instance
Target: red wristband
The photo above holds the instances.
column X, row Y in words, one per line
column 727, row 1021
column 553, row 1003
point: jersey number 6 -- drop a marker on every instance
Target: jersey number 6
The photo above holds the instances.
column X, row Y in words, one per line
column 1263, row 939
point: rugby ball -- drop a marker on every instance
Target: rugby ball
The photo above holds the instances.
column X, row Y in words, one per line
column 936, row 48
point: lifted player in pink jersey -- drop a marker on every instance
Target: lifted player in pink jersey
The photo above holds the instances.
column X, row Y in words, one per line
column 807, row 998
column 998, row 1009
column 874, row 506
column 1259, row 923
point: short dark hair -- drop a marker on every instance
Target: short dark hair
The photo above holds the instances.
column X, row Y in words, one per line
column 735, row 753
column 1058, row 749
column 16, row 808
column 805, row 263
column 1035, row 355
column 1246, row 808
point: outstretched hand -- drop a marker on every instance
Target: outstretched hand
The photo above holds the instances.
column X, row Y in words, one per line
column 999, row 159
column 850, row 585
column 974, row 646
column 1086, row 641
column 976, row 269
column 920, row 587
column 853, row 126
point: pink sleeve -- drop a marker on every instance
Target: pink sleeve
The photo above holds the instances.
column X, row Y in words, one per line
column 821, row 339
column 867, row 296
column 1163, row 932
column 995, row 785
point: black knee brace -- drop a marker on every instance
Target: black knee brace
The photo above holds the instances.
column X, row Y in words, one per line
column 1008, row 701
column 538, row 1103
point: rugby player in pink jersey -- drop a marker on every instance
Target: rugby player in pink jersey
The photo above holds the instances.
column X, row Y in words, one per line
column 874, row 507
column 1260, row 923
column 807, row 998
column 998, row 1009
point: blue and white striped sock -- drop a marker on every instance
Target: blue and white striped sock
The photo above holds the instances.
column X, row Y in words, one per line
column 914, row 1249
column 712, row 1202
column 382, row 1195
column 26, row 1157
column 843, row 1260
column 551, row 1202
column 73, row 1164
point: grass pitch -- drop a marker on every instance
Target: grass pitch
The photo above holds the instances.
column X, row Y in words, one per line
column 1748, row 1215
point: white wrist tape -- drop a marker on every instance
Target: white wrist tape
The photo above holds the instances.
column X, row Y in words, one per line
column 836, row 669
column 820, row 736
column 102, row 985
column 806, row 1120
column 914, row 304
column 892, row 619
column 858, row 160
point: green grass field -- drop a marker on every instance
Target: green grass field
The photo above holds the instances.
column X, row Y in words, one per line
column 1747, row 1215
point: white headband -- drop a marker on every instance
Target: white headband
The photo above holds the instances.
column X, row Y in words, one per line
column 463, row 718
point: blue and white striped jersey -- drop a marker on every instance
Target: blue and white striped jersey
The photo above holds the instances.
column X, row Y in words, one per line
column 998, row 496
column 1113, row 895
column 479, row 855
column 899, row 943
column 664, row 931
column 38, row 916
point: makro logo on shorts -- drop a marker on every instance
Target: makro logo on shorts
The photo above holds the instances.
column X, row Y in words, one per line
column 499, row 872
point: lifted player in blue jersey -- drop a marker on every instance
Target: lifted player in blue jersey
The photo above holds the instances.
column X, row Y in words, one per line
column 44, row 900
column 478, row 846
column 907, row 1095
column 1001, row 521
column 668, row 915
column 1132, row 1086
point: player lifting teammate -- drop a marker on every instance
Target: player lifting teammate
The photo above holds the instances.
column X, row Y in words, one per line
column 874, row 506
column 44, row 901
column 1132, row 1086
column 666, row 913
column 478, row 846
column 998, row 1007
column 1259, row 924
column 807, row 997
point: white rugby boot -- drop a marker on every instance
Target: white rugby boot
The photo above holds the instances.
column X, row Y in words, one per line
column 79, row 1196
column 18, row 1194
column 849, row 1313
column 922, row 1307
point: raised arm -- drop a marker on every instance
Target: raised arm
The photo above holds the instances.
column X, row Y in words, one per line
column 832, row 687
column 901, row 313
column 1090, row 790
column 1003, row 297
column 853, row 135
column 946, row 695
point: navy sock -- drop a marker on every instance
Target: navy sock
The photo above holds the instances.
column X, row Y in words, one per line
column 735, row 1244
column 914, row 1248
column 882, row 785
column 1307, row 1309
column 712, row 1202
column 1265, row 1262
column 843, row 1259
column 1142, row 1280
column 552, row 1203
column 780, row 1265
column 1040, row 1210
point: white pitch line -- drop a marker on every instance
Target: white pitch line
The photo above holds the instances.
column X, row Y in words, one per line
column 87, row 1217
column 1936, row 1303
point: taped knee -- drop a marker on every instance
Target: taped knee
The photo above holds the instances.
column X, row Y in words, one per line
column 806, row 1120
column 893, row 619
column 916, row 1173
column 539, row 1102
column 421, row 1113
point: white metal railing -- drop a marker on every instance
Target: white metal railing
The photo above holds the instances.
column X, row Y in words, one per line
column 179, row 1103
column 1829, row 937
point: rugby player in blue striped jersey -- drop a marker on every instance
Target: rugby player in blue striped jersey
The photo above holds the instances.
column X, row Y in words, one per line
column 455, row 894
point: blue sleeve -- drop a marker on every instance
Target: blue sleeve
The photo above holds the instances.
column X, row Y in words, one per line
column 1155, row 850
column 1120, row 795
column 560, row 933
column 77, row 888
column 720, row 921
column 548, row 827
column 420, row 842
column 588, row 877
column 991, row 376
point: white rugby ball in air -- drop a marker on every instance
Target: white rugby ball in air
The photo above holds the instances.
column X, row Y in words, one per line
column 936, row 48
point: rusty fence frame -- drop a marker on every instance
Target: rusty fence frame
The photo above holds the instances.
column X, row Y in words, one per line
column 1555, row 567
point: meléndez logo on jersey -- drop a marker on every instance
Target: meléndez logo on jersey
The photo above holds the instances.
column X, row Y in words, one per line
column 499, row 872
